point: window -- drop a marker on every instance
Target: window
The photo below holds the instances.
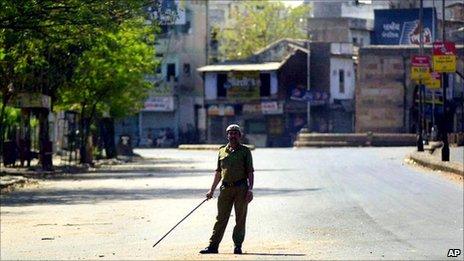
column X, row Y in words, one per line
column 355, row 40
column 221, row 80
column 341, row 81
column 187, row 69
column 171, row 72
column 265, row 88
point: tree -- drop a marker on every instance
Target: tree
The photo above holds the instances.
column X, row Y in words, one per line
column 41, row 42
column 109, row 77
column 259, row 24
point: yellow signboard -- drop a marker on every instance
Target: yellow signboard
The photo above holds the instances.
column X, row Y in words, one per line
column 444, row 63
column 419, row 73
column 432, row 81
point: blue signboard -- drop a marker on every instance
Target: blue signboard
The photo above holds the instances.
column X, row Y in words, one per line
column 401, row 26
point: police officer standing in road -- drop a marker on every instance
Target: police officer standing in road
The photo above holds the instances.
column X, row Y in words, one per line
column 235, row 168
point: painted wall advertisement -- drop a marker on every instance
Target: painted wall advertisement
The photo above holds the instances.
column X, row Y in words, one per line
column 243, row 85
column 401, row 26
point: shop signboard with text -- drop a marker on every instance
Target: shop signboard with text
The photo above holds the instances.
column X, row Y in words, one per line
column 221, row 110
column 243, row 85
column 161, row 104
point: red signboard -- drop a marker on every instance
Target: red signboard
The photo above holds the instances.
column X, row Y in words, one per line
column 420, row 61
column 444, row 48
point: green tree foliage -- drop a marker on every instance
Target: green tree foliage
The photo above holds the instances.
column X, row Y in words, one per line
column 72, row 48
column 260, row 23
column 109, row 77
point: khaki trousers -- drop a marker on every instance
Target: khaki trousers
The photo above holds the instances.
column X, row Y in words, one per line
column 228, row 197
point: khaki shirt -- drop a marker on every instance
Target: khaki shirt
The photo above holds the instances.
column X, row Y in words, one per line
column 234, row 165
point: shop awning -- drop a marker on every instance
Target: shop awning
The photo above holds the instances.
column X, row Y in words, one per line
column 272, row 66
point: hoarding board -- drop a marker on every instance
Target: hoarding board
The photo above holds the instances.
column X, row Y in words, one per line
column 401, row 26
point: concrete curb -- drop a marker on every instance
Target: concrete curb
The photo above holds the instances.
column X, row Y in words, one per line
column 207, row 146
column 305, row 139
column 431, row 162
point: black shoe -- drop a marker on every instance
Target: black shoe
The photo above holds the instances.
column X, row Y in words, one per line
column 209, row 250
column 238, row 250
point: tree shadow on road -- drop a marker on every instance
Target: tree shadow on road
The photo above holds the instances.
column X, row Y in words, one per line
column 269, row 254
column 135, row 174
column 79, row 195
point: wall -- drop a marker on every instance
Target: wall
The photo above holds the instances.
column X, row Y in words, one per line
column 345, row 64
column 320, row 66
column 384, row 92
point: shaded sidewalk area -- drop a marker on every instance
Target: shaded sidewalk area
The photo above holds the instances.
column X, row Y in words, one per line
column 11, row 177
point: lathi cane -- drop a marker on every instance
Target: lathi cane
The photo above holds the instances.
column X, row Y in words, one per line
column 180, row 222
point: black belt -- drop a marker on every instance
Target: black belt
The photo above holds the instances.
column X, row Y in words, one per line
column 235, row 183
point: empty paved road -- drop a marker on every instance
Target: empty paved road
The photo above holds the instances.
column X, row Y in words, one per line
column 331, row 203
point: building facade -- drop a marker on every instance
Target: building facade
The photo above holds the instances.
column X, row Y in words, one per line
column 267, row 93
column 173, row 113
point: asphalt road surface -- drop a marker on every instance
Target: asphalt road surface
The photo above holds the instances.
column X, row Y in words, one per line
column 331, row 203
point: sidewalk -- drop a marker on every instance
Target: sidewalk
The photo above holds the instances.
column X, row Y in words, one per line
column 10, row 177
column 431, row 158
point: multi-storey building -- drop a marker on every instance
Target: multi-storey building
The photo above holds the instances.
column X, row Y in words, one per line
column 173, row 111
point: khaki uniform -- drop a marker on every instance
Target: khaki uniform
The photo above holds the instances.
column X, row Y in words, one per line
column 234, row 167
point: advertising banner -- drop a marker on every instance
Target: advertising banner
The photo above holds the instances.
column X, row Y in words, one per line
column 444, row 57
column 401, row 26
column 243, row 85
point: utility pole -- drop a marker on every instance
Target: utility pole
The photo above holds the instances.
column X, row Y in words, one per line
column 445, row 150
column 308, row 78
column 420, row 143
